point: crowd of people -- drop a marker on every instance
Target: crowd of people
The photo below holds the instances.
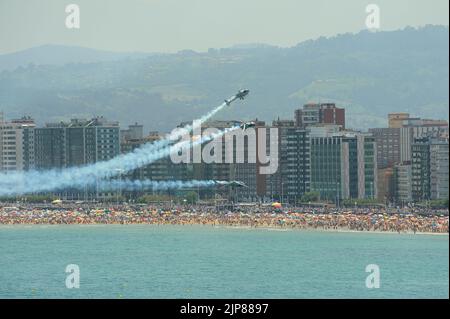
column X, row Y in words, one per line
column 355, row 219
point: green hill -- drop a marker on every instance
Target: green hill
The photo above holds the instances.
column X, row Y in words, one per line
column 370, row 74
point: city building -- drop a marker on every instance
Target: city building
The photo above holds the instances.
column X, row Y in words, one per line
column 343, row 166
column 439, row 170
column 231, row 166
column 75, row 143
column 160, row 170
column 394, row 144
column 248, row 172
column 403, row 183
column 330, row 114
column 320, row 113
column 292, row 179
column 134, row 132
column 17, row 144
column 430, row 169
column 421, row 170
column 386, row 187
column 315, row 153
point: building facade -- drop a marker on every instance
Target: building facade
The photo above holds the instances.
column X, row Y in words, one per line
column 343, row 166
column 394, row 143
column 430, row 169
column 439, row 170
column 17, row 145
column 403, row 187
column 292, row 179
column 320, row 113
column 386, row 187
column 76, row 143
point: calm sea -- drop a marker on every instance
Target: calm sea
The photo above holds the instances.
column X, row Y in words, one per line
column 141, row 261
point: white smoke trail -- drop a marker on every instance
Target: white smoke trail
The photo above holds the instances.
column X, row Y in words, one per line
column 12, row 178
column 141, row 185
column 170, row 138
column 79, row 177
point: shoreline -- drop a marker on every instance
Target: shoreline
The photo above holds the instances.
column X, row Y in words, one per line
column 236, row 227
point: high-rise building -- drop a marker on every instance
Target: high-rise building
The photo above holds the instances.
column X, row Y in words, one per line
column 292, row 178
column 228, row 166
column 344, row 166
column 50, row 148
column 330, row 169
column 330, row 114
column 248, row 172
column 295, row 167
column 367, row 166
column 240, row 161
column 320, row 113
column 308, row 115
column 134, row 132
column 17, row 145
column 439, row 170
column 402, row 176
column 76, row 143
column 129, row 144
column 394, row 143
column 430, row 169
column 216, row 170
column 420, row 163
column 287, row 184
column 386, row 187
column 160, row 170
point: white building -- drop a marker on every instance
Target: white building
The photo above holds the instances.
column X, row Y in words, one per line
column 17, row 144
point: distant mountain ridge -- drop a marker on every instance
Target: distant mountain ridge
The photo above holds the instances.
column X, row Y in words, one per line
column 370, row 74
column 59, row 55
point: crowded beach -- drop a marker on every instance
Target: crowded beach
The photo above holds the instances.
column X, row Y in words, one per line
column 408, row 220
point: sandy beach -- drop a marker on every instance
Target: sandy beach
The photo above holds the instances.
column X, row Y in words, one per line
column 371, row 220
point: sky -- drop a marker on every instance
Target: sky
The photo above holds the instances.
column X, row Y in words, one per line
column 173, row 25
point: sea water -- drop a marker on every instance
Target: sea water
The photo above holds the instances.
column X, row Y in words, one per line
column 150, row 261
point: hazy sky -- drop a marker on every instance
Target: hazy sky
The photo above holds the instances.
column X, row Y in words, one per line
column 172, row 25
